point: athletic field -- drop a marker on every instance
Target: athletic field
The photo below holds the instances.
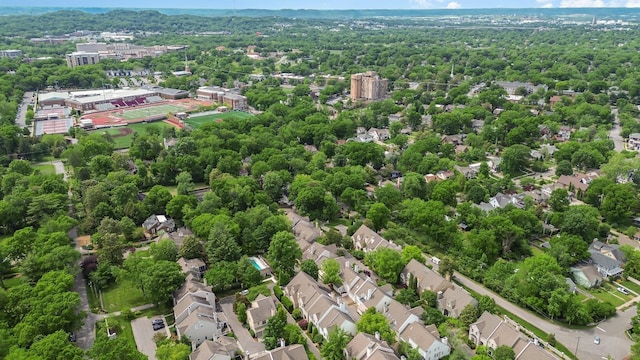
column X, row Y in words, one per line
column 196, row 122
column 147, row 111
column 123, row 135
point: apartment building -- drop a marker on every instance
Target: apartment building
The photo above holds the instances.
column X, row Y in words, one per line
column 369, row 86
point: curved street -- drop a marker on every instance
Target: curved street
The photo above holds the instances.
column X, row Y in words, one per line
column 614, row 342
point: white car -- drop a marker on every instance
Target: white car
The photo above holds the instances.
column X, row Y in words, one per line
column 596, row 340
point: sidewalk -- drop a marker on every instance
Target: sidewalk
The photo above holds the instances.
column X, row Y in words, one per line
column 118, row 313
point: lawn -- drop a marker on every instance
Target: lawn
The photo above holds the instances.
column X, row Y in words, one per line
column 122, row 326
column 196, row 122
column 122, row 295
column 631, row 286
column 608, row 293
column 45, row 169
column 124, row 142
column 11, row 282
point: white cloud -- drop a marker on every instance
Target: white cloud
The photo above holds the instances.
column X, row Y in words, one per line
column 545, row 3
column 421, row 4
column 453, row 5
column 633, row 3
column 547, row 6
column 582, row 3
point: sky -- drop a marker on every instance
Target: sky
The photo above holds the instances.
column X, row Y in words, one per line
column 329, row 4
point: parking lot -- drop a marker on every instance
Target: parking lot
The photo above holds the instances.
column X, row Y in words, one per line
column 143, row 333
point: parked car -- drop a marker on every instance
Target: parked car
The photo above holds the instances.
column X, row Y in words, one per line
column 596, row 340
column 157, row 325
column 623, row 290
column 157, row 321
column 72, row 337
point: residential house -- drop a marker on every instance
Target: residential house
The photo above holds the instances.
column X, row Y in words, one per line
column 262, row 308
column 367, row 347
column 202, row 325
column 564, row 133
column 468, row 172
column 400, row 316
column 424, row 278
column 222, row 348
column 586, row 275
column 290, row 352
column 196, row 267
column 607, row 258
column 368, row 240
column 452, row 300
column 195, row 312
column 317, row 306
column 493, row 332
column 634, row 142
column 304, row 230
column 192, row 302
column 477, row 125
column 502, row 200
column 511, row 87
column 379, row 134
column 364, row 292
column 177, row 236
column 426, row 340
column 157, row 223
column 457, row 139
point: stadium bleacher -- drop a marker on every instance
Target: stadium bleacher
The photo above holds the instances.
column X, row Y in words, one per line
column 154, row 99
column 105, row 107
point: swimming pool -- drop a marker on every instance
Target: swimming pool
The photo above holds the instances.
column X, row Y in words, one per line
column 257, row 263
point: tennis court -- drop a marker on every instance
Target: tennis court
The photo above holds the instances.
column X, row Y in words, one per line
column 196, row 122
column 148, row 111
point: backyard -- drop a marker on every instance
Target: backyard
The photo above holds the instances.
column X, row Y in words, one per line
column 45, row 169
column 608, row 293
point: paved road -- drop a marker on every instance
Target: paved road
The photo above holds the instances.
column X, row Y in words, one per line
column 614, row 133
column 613, row 343
column 86, row 335
column 247, row 343
column 143, row 333
column 21, row 118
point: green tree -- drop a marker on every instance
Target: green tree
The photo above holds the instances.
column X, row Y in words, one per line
column 515, row 159
column 283, row 255
column 469, row 315
column 56, row 346
column 173, row 351
column 559, row 200
column 241, row 311
column 192, row 248
column 333, row 348
column 412, row 252
column 275, row 329
column 504, row 352
column 387, row 263
column 120, row 348
column 564, row 168
column 157, row 199
column 331, row 272
column 373, row 322
column 581, row 220
column 222, row 275
column 379, row 215
column 164, row 249
column 221, row 245
column 310, row 268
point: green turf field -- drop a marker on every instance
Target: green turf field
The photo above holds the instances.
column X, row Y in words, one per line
column 196, row 122
column 150, row 111
column 124, row 142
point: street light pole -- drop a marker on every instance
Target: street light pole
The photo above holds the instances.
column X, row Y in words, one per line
column 575, row 353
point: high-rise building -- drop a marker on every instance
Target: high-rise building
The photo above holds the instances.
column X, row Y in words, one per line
column 81, row 58
column 369, row 86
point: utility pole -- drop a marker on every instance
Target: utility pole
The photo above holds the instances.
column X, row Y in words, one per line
column 575, row 353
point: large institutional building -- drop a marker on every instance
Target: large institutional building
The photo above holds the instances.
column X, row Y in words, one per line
column 369, row 86
column 91, row 52
column 219, row 95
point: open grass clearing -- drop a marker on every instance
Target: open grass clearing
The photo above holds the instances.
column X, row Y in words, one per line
column 196, row 122
column 45, row 169
column 121, row 141
column 124, row 294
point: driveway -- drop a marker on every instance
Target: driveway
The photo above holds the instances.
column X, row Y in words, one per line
column 613, row 343
column 143, row 334
column 247, row 343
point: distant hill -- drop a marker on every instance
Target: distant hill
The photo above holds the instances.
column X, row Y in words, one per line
column 343, row 14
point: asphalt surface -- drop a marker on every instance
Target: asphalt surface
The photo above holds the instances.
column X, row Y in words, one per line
column 143, row 334
column 86, row 335
column 21, row 117
column 613, row 341
column 614, row 133
column 247, row 343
